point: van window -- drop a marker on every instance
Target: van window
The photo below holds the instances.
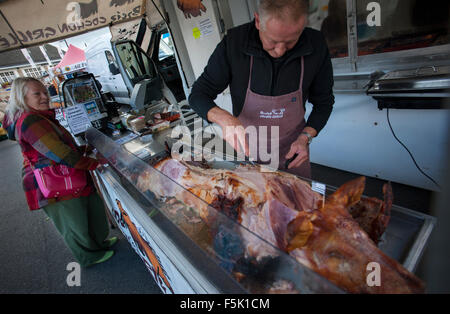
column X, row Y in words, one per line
column 165, row 46
column 137, row 64
column 402, row 25
column 330, row 17
column 109, row 57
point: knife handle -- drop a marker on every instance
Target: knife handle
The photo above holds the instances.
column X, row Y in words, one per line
column 286, row 165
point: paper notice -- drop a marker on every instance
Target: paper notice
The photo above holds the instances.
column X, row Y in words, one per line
column 77, row 119
column 204, row 29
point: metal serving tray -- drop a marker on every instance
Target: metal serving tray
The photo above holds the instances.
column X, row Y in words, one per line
column 432, row 81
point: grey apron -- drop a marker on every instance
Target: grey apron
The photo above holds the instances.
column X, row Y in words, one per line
column 286, row 112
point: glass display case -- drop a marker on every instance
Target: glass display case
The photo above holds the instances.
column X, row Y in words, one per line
column 210, row 248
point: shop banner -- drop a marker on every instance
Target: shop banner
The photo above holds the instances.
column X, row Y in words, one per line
column 164, row 272
column 27, row 23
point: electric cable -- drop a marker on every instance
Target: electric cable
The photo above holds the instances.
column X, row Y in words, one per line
column 410, row 154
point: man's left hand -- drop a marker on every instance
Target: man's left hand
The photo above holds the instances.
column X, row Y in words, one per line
column 299, row 147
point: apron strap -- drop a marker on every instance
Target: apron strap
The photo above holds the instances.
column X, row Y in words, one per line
column 250, row 76
column 302, row 73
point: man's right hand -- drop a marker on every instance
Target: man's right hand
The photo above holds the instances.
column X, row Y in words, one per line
column 232, row 129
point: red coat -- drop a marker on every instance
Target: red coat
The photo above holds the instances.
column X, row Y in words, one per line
column 42, row 146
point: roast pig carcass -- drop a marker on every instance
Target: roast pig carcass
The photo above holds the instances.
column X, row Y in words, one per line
column 284, row 211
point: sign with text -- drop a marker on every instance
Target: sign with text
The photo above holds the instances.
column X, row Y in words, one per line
column 77, row 118
column 29, row 23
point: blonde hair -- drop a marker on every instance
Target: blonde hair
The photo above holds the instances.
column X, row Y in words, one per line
column 16, row 104
column 282, row 9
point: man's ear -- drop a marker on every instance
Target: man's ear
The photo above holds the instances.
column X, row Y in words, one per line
column 257, row 21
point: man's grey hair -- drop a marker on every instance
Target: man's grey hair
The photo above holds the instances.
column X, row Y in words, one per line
column 290, row 10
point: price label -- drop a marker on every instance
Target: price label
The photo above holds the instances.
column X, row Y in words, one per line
column 318, row 187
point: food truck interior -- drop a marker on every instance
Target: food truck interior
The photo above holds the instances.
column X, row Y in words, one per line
column 390, row 123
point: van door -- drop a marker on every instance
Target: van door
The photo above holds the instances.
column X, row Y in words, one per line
column 163, row 55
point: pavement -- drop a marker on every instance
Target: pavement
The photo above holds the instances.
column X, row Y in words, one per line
column 34, row 258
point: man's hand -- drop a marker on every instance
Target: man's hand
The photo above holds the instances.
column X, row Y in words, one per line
column 301, row 148
column 232, row 129
column 191, row 7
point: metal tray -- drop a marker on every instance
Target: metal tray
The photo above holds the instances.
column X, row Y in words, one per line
column 433, row 81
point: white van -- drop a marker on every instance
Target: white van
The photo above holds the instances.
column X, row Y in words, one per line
column 102, row 64
column 120, row 70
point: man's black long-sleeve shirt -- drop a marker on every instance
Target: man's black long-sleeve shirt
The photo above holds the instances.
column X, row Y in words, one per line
column 230, row 65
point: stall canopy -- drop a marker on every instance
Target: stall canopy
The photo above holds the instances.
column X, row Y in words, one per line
column 73, row 60
column 25, row 23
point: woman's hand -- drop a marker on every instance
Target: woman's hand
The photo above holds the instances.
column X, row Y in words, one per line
column 102, row 160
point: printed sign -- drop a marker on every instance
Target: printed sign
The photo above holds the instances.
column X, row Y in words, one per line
column 33, row 22
column 74, row 67
column 77, row 119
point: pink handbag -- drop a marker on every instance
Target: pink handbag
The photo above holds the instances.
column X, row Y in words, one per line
column 60, row 180
column 57, row 180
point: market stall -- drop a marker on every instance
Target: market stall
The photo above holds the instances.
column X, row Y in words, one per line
column 184, row 250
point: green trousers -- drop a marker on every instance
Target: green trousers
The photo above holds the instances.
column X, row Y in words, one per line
column 83, row 224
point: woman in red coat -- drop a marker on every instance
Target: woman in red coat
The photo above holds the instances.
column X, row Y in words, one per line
column 80, row 218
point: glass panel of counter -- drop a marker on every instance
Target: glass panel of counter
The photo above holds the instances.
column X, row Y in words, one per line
column 245, row 243
column 207, row 233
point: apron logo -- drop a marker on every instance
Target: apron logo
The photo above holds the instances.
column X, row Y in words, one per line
column 274, row 114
